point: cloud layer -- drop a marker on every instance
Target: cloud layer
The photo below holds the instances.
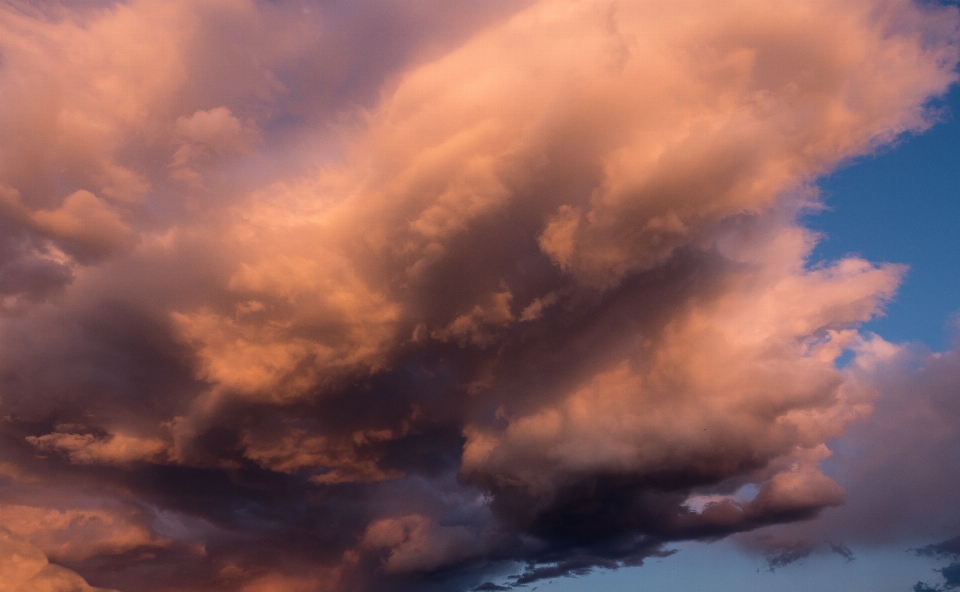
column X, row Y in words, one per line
column 411, row 296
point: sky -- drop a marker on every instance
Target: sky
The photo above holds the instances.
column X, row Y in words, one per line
column 913, row 185
column 322, row 296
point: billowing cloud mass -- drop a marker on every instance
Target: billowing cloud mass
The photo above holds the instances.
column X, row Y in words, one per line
column 417, row 296
column 24, row 568
column 895, row 468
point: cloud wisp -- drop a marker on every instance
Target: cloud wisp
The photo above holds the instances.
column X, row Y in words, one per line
column 414, row 296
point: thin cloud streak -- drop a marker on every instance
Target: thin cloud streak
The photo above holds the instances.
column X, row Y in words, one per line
column 417, row 296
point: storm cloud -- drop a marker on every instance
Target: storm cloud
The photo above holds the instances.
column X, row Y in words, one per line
column 420, row 296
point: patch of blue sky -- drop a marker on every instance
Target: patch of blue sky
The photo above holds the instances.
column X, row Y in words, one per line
column 903, row 206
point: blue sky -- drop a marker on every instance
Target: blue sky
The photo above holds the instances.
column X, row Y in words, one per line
column 722, row 567
column 903, row 206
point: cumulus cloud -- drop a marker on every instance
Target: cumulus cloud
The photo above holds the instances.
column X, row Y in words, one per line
column 417, row 544
column 892, row 466
column 25, row 568
column 516, row 288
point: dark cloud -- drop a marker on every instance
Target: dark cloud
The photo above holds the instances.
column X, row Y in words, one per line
column 842, row 550
column 780, row 552
column 490, row 587
column 951, row 576
column 792, row 553
column 949, row 548
column 951, row 580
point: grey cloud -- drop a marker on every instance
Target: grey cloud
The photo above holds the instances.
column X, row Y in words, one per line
column 947, row 548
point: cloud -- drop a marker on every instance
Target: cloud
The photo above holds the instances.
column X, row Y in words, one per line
column 203, row 137
column 77, row 534
column 25, row 568
column 417, row 544
column 89, row 448
column 891, row 465
column 900, row 454
column 945, row 548
column 517, row 288
column 780, row 552
column 951, row 573
column 85, row 226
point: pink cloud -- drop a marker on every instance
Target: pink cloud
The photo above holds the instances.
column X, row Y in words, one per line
column 326, row 299
column 25, row 567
